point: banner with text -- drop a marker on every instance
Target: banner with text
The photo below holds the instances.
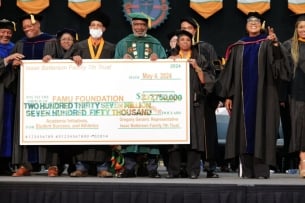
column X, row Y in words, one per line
column 104, row 101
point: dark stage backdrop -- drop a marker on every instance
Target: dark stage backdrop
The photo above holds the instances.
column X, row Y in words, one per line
column 221, row 29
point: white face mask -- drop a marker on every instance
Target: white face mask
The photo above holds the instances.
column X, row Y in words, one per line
column 96, row 33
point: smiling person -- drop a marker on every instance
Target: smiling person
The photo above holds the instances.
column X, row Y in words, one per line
column 249, row 84
column 62, row 46
column 140, row 45
column 32, row 47
column 7, row 29
column 201, row 80
column 296, row 48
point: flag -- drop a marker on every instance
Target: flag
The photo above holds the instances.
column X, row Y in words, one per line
column 84, row 7
column 33, row 6
column 260, row 6
column 206, row 8
column 296, row 6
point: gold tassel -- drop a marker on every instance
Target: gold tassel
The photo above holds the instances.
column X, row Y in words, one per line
column 263, row 25
column 76, row 36
column 197, row 31
column 32, row 19
column 14, row 25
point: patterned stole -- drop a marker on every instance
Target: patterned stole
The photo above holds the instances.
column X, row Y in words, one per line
column 92, row 49
column 296, row 6
column 84, row 7
column 33, row 6
column 132, row 49
column 206, row 8
column 260, row 6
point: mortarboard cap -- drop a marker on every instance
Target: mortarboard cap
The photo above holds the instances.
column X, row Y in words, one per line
column 171, row 34
column 191, row 21
column 72, row 32
column 194, row 23
column 32, row 17
column 299, row 17
column 184, row 33
column 141, row 16
column 98, row 15
column 6, row 24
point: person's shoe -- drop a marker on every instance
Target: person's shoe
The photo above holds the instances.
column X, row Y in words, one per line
column 53, row 171
column 79, row 173
column 211, row 174
column 193, row 175
column 171, row 176
column 21, row 171
column 104, row 174
column 154, row 174
column 126, row 174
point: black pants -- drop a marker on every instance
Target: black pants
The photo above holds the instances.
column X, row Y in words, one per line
column 251, row 167
column 192, row 162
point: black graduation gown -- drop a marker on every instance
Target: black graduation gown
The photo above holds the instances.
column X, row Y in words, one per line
column 270, row 70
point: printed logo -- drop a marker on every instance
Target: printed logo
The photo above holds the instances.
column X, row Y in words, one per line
column 157, row 9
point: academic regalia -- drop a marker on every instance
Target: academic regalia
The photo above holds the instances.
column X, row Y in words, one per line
column 262, row 107
column 297, row 101
column 6, row 104
column 31, row 48
column 140, row 48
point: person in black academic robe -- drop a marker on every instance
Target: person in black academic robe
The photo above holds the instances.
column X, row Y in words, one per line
column 211, row 100
column 202, row 81
column 7, row 95
column 31, row 46
column 93, row 159
column 296, row 51
column 249, row 83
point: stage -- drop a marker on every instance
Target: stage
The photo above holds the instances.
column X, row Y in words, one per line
column 280, row 188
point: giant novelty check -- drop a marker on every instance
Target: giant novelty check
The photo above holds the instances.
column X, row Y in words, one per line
column 104, row 102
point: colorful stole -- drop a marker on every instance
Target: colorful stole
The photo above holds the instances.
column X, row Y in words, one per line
column 228, row 51
column 187, row 56
column 133, row 51
column 91, row 48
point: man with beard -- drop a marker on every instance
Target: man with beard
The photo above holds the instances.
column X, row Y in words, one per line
column 140, row 45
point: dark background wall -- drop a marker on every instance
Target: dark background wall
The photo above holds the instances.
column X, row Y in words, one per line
column 221, row 29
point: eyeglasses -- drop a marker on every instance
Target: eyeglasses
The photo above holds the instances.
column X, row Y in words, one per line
column 253, row 20
column 66, row 40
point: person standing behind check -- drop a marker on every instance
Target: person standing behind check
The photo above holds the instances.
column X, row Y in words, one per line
column 140, row 45
column 94, row 47
column 7, row 29
column 32, row 47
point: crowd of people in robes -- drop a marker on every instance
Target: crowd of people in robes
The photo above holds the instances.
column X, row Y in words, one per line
column 249, row 85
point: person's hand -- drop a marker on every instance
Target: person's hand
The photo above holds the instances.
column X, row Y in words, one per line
column 272, row 36
column 194, row 64
column 153, row 57
column 228, row 105
column 127, row 56
column 16, row 63
column 12, row 57
column 46, row 58
column 77, row 59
